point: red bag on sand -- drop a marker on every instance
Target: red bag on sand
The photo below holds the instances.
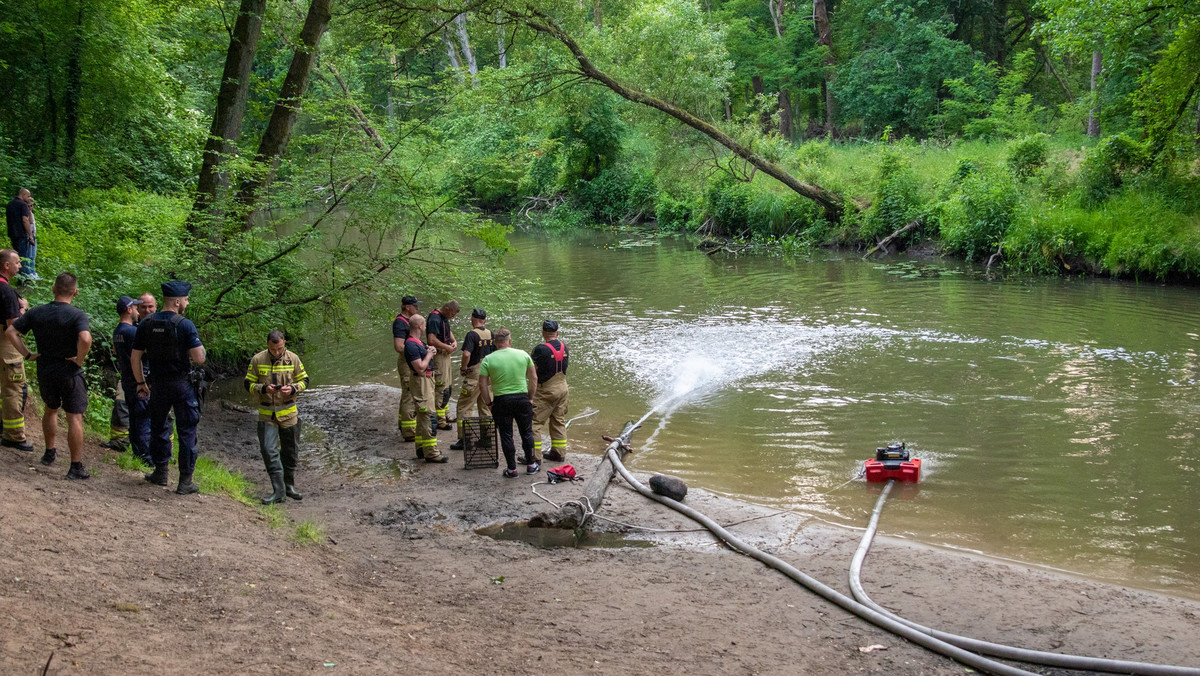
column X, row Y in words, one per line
column 562, row 473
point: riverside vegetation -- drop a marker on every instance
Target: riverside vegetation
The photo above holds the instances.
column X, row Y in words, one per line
column 298, row 157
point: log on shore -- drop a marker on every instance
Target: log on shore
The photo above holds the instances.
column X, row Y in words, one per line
column 573, row 515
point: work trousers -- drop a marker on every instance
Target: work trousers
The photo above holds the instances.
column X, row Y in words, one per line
column 443, row 376
column 14, row 391
column 139, row 423
column 408, row 409
column 506, row 409
column 280, row 448
column 550, row 405
column 470, row 398
column 118, row 422
column 28, row 252
column 426, row 427
column 177, row 395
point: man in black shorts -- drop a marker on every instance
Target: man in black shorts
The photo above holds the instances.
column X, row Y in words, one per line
column 64, row 337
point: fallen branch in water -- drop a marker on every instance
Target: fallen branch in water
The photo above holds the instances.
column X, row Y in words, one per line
column 883, row 243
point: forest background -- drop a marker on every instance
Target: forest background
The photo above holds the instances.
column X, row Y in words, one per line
column 295, row 158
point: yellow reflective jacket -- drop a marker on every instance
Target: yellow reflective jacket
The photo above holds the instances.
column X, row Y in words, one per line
column 264, row 371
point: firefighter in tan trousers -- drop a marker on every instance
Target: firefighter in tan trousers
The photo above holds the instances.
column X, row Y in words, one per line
column 14, row 390
column 477, row 344
column 439, row 335
column 550, row 402
column 408, row 410
column 276, row 378
column 420, row 361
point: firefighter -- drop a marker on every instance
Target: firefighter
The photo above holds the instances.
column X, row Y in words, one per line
column 420, row 360
column 13, row 390
column 550, row 404
column 477, row 344
column 408, row 411
column 439, row 335
column 276, row 378
column 172, row 344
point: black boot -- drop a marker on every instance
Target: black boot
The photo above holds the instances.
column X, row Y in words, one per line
column 289, row 479
column 280, row 492
column 186, row 487
column 159, row 476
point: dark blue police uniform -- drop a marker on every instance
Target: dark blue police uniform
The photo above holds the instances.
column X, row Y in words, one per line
column 166, row 338
column 139, row 414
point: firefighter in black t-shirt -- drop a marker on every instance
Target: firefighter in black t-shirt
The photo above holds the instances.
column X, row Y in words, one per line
column 13, row 390
column 477, row 344
column 550, row 403
column 407, row 415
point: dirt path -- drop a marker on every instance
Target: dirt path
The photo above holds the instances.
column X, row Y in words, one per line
column 114, row 575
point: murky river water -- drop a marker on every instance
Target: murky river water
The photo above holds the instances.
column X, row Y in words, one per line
column 1055, row 418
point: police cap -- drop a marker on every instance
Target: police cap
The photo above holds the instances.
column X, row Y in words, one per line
column 409, row 300
column 125, row 302
column 477, row 313
column 549, row 325
column 176, row 289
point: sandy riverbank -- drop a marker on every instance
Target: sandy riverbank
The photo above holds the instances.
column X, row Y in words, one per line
column 115, row 575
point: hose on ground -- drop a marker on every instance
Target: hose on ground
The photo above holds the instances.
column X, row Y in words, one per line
column 828, row 593
column 996, row 649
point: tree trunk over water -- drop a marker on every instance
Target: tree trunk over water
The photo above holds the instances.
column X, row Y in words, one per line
column 287, row 106
column 830, row 202
column 231, row 105
column 1093, row 122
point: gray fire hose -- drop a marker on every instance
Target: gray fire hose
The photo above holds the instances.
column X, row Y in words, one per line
column 846, row 603
column 996, row 649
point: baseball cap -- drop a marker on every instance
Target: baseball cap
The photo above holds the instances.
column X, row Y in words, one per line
column 478, row 313
column 125, row 302
column 409, row 300
column 549, row 325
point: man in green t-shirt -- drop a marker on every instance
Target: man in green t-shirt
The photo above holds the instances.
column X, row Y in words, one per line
column 507, row 382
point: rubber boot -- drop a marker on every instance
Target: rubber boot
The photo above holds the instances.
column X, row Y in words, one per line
column 159, row 476
column 186, row 487
column 289, row 479
column 280, row 492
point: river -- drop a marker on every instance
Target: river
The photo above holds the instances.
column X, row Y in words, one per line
column 1055, row 417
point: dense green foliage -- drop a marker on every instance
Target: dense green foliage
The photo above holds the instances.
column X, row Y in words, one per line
column 965, row 120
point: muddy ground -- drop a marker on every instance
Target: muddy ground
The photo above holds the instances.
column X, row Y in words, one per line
column 115, row 575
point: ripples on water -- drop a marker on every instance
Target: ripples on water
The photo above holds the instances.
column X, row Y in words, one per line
column 1055, row 418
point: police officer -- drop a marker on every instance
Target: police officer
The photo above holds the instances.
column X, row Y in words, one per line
column 118, row 422
column 477, row 344
column 276, row 377
column 172, row 344
column 138, row 431
column 13, row 389
column 419, row 357
column 408, row 410
column 439, row 335
column 551, row 358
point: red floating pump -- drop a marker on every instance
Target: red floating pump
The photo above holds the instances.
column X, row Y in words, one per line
column 892, row 462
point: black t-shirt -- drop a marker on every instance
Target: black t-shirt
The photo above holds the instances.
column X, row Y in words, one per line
column 13, row 213
column 543, row 360
column 400, row 327
column 123, row 337
column 438, row 326
column 471, row 343
column 171, row 361
column 56, row 327
column 415, row 350
column 10, row 302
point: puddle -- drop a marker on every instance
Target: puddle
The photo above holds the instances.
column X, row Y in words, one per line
column 551, row 538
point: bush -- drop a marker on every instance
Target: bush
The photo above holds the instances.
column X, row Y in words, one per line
column 727, row 203
column 977, row 215
column 616, row 194
column 672, row 214
column 1028, row 155
column 897, row 198
column 1108, row 165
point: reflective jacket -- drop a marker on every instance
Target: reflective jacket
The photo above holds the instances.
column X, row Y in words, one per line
column 264, row 371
